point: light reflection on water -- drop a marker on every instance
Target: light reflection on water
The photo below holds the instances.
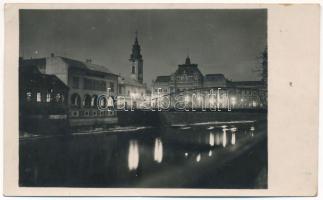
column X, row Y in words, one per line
column 233, row 139
column 252, row 129
column 198, row 157
column 217, row 139
column 133, row 155
column 158, row 150
column 224, row 137
column 233, row 136
column 211, row 139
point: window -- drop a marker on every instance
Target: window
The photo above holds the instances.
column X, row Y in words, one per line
column 87, row 101
column 112, row 86
column 110, row 102
column 91, row 84
column 94, row 100
column 76, row 100
column 103, row 102
column 38, row 97
column 128, row 93
column 62, row 98
column 28, row 96
column 58, row 97
column 75, row 83
column 133, row 69
column 48, row 97
column 120, row 90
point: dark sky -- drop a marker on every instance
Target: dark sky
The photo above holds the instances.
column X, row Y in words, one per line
column 219, row 41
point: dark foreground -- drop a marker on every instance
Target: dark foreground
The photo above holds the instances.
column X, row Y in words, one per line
column 230, row 154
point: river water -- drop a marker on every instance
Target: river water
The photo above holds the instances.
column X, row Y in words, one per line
column 228, row 154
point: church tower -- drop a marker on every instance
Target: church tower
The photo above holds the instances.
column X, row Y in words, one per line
column 136, row 62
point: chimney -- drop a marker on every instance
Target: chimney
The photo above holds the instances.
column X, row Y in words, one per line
column 52, row 55
column 88, row 60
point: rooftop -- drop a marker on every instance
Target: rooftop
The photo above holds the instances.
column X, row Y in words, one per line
column 86, row 65
column 163, row 79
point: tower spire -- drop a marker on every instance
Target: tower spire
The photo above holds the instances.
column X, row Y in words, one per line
column 188, row 60
column 136, row 37
column 136, row 60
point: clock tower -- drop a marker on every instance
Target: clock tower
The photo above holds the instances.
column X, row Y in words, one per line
column 136, row 62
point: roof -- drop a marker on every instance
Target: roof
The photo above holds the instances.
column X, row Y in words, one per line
column 37, row 80
column 188, row 69
column 86, row 65
column 214, row 77
column 70, row 62
column 163, row 79
column 129, row 81
column 33, row 61
column 245, row 83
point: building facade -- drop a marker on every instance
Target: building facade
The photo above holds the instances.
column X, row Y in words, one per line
column 42, row 103
column 87, row 83
column 208, row 89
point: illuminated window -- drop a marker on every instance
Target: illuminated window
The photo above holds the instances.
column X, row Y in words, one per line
column 28, row 96
column 94, row 100
column 48, row 97
column 58, row 97
column 103, row 102
column 38, row 97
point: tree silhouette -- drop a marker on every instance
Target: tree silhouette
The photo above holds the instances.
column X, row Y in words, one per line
column 264, row 66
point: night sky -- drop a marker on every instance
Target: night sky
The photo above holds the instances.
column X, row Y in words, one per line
column 219, row 41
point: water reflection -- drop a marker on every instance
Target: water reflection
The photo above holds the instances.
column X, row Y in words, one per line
column 217, row 139
column 133, row 155
column 233, row 136
column 158, row 150
column 198, row 157
column 124, row 159
column 233, row 139
column 211, row 139
column 224, row 137
column 252, row 129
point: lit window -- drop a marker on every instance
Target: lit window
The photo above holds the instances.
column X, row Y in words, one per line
column 48, row 97
column 28, row 96
column 58, row 97
column 38, row 97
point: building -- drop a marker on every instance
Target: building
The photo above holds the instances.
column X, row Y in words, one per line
column 188, row 79
column 87, row 83
column 131, row 90
column 42, row 103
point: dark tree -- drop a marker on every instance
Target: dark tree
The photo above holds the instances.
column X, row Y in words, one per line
column 264, row 66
